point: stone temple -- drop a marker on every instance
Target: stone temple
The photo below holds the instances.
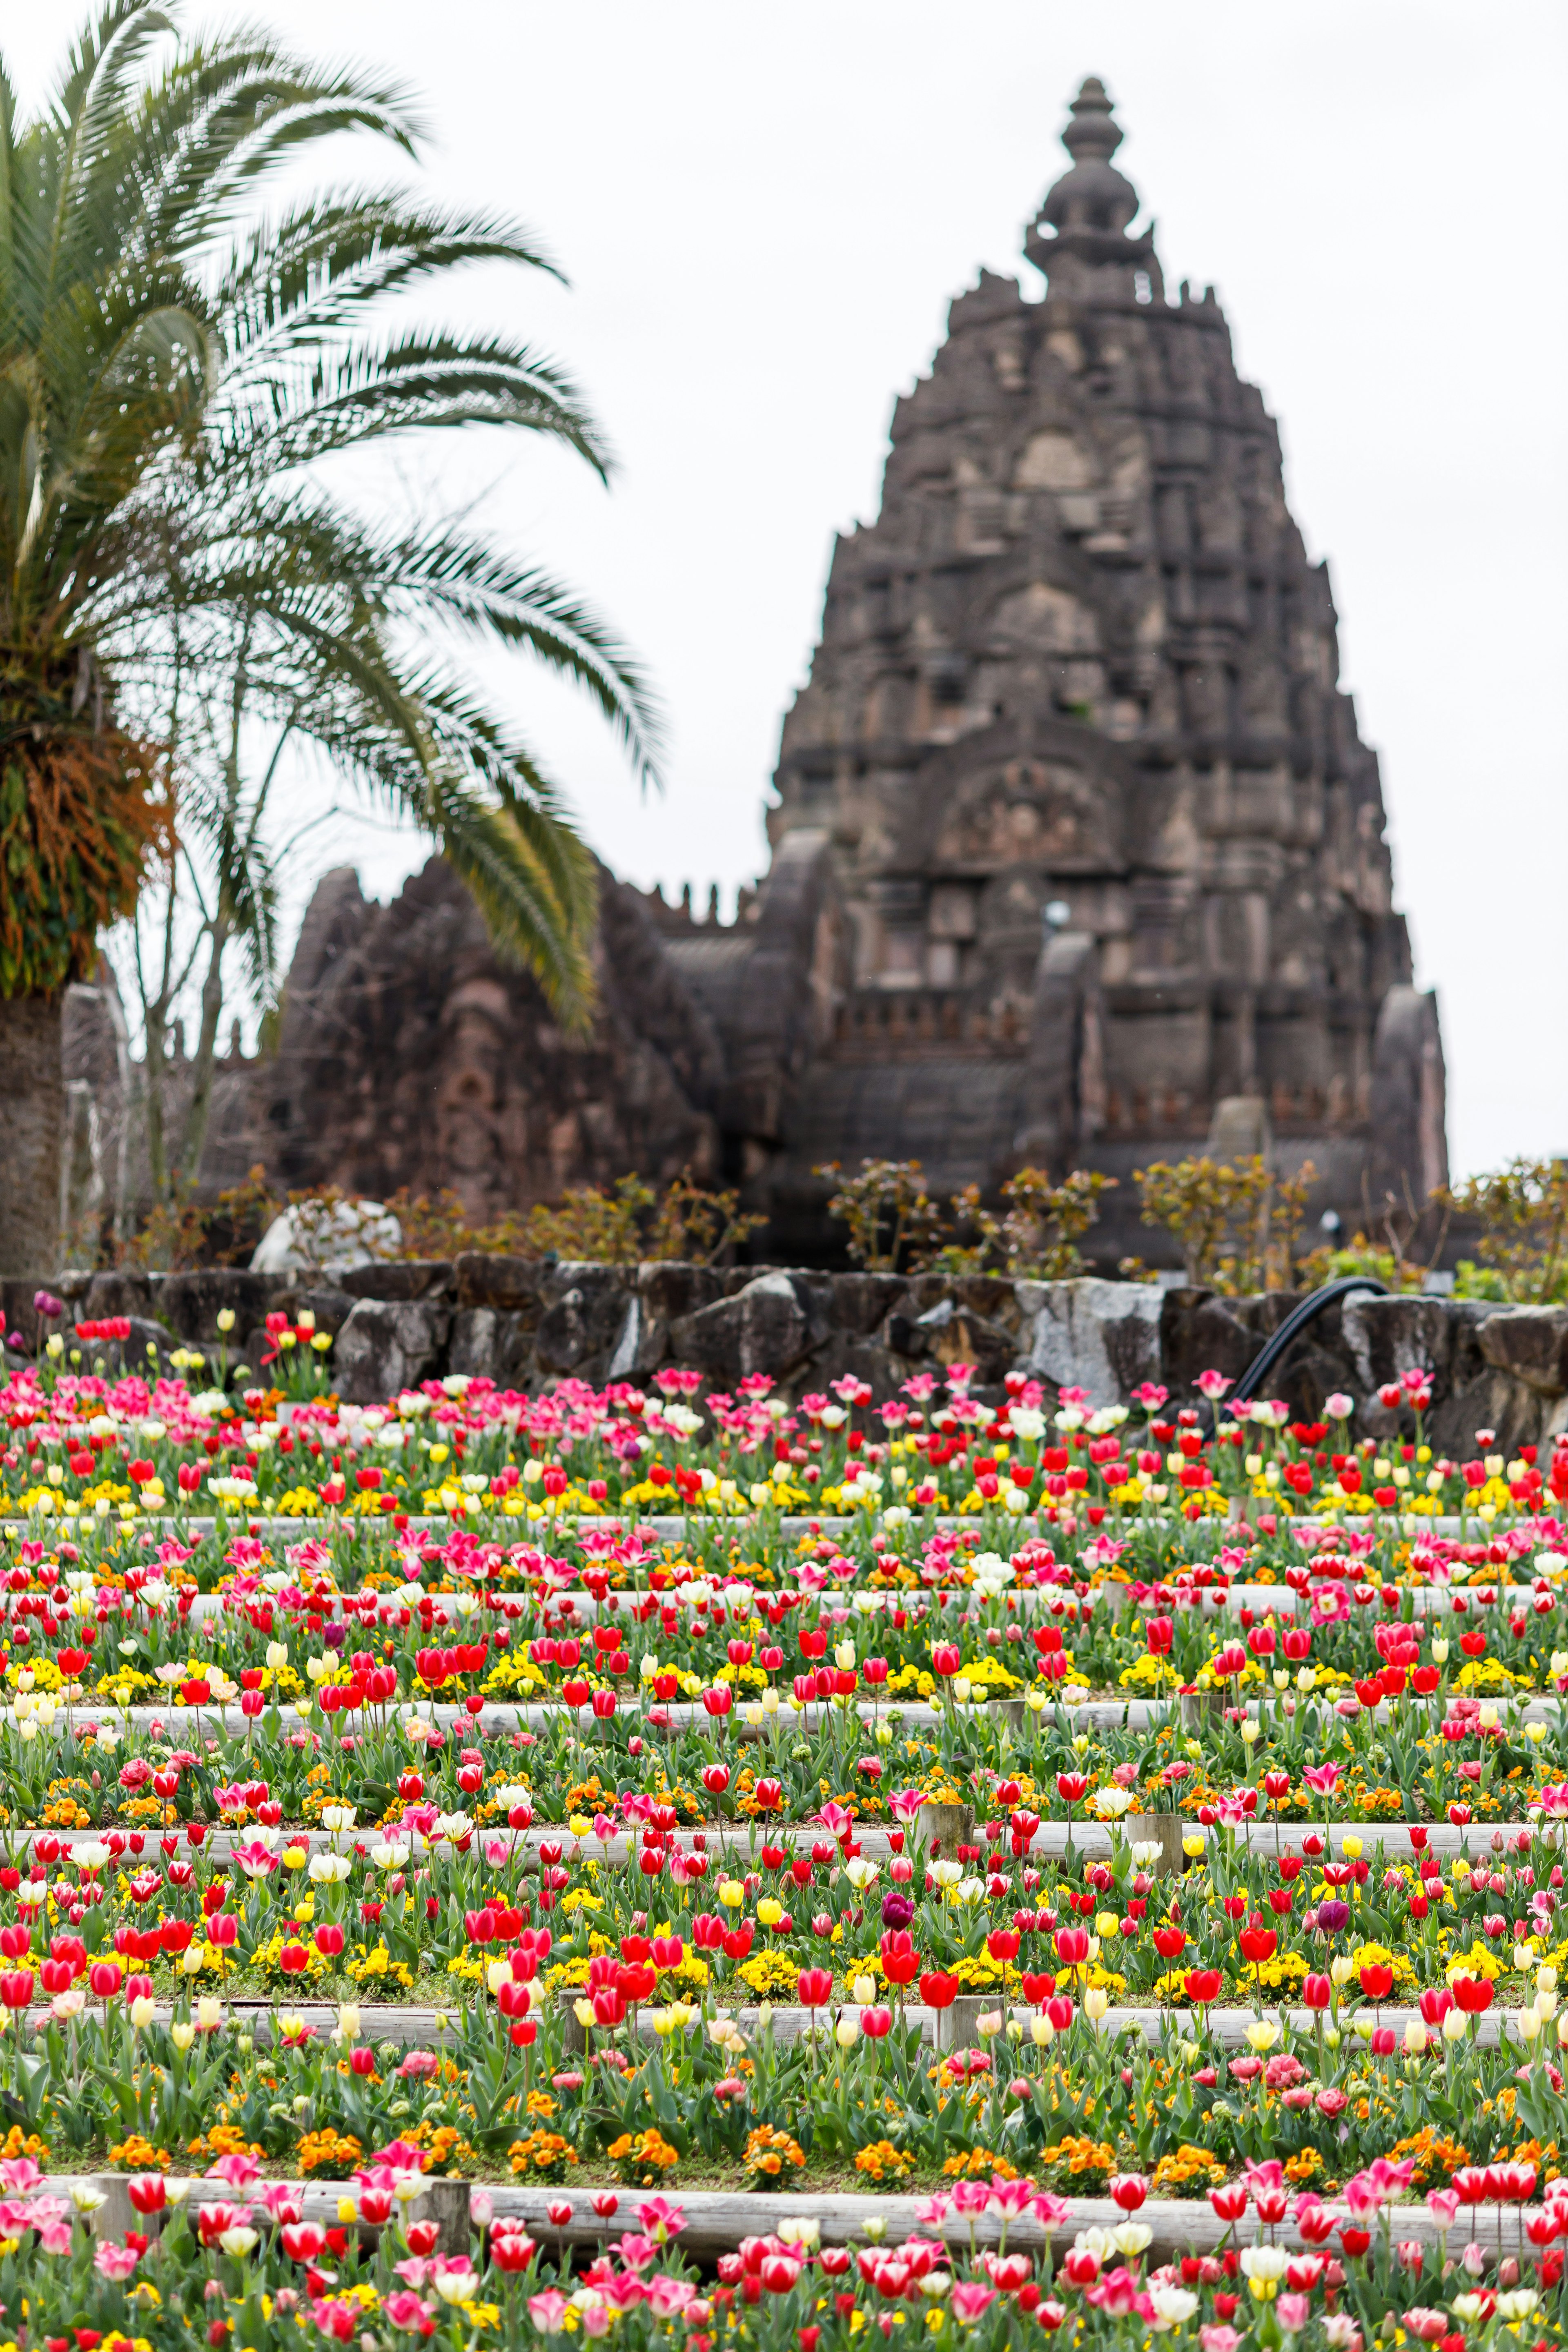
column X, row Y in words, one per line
column 1078, row 855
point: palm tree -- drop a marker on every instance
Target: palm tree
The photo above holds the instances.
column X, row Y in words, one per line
column 174, row 372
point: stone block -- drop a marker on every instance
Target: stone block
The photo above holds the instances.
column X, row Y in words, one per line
column 1092, row 1334
column 190, row 1303
column 145, row 1333
column 400, row 1278
column 863, row 1301
column 388, row 1345
column 482, row 1279
column 331, row 1308
column 990, row 1296
column 1530, row 1344
column 955, row 1334
column 907, row 1339
column 666, row 1292
column 671, row 1287
column 584, row 1316
column 1477, row 1393
column 489, row 1343
column 1199, row 1333
column 841, row 1356
column 765, row 1327
column 120, row 1291
column 1390, row 1336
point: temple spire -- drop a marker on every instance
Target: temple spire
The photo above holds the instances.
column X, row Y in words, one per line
column 1088, row 211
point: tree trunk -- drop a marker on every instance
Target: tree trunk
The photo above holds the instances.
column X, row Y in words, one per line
column 32, row 1128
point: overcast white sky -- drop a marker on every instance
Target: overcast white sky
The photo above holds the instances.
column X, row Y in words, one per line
column 764, row 213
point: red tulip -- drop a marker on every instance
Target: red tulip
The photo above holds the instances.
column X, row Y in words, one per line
column 938, row 1990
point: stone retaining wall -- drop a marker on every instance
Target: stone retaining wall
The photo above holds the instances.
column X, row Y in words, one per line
column 525, row 1324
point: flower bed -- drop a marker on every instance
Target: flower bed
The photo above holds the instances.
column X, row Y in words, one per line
column 1172, row 1830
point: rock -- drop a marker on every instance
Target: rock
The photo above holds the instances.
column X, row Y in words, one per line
column 331, row 1308
column 1092, row 1334
column 764, row 1328
column 861, row 1302
column 636, row 1332
column 488, row 1343
column 190, row 1303
column 129, row 1354
column 1476, row 1394
column 1530, row 1344
column 1390, row 1336
column 906, row 1339
column 1202, row 1332
column 993, row 1296
column 842, row 1357
column 387, row 1346
column 407, row 1277
column 120, row 1292
column 1199, row 1333
column 337, row 1237
column 665, row 1291
column 481, row 1279
column 955, row 1334
column 584, row 1316
column 671, row 1287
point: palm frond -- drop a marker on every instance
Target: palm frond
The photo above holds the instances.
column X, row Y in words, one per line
column 176, row 372
column 316, row 267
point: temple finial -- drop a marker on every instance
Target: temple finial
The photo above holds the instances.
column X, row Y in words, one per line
column 1094, row 194
column 1093, row 135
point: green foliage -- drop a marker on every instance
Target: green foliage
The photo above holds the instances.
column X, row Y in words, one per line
column 1523, row 1254
column 177, row 371
column 1037, row 1236
column 889, row 1212
column 893, row 1221
column 619, row 1226
column 632, row 1221
column 1237, row 1224
column 182, row 1233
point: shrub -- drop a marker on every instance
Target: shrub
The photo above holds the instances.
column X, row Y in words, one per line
column 888, row 1211
column 1523, row 1254
column 1237, row 1224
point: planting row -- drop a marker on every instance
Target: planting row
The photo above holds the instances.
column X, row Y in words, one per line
column 80, row 1443
column 981, row 2260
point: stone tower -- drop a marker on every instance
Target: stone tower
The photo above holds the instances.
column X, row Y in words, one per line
column 1078, row 855
column 1107, row 842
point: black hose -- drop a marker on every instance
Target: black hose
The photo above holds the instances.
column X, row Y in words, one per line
column 1307, row 1310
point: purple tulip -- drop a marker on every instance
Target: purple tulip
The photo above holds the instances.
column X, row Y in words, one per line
column 1332, row 1915
column 45, row 1304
